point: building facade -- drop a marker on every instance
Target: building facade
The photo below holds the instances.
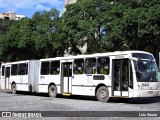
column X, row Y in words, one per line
column 66, row 2
column 11, row 16
column 69, row 1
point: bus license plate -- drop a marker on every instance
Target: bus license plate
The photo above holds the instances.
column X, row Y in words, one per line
column 150, row 92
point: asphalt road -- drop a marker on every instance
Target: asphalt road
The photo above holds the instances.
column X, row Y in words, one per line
column 30, row 106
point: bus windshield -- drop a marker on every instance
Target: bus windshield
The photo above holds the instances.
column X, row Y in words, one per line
column 146, row 68
column 146, row 71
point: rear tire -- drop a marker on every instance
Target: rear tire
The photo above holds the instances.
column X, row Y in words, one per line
column 13, row 88
column 102, row 94
column 52, row 91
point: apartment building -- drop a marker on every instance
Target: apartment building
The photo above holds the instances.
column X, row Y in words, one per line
column 11, row 16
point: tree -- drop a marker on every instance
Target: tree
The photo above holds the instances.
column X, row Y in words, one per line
column 84, row 23
column 33, row 38
column 5, row 25
column 135, row 25
column 44, row 30
column 123, row 25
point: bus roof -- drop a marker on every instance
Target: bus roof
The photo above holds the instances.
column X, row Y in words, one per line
column 10, row 63
column 83, row 56
column 96, row 55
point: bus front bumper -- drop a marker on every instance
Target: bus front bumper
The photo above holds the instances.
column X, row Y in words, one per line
column 146, row 93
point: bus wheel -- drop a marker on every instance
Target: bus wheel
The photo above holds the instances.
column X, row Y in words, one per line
column 102, row 94
column 52, row 91
column 13, row 88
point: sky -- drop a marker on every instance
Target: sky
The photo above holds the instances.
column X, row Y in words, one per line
column 29, row 7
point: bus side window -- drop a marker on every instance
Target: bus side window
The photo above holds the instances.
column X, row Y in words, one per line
column 7, row 72
column 2, row 71
column 44, row 68
column 14, row 69
column 131, row 76
column 103, row 65
column 26, row 68
column 22, row 69
column 78, row 66
column 55, row 68
column 90, row 66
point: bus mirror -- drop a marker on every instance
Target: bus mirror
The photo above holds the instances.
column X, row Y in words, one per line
column 135, row 65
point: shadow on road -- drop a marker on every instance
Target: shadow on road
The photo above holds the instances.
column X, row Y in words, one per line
column 136, row 100
column 78, row 97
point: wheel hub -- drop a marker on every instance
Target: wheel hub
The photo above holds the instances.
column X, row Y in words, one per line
column 103, row 94
column 13, row 87
column 52, row 91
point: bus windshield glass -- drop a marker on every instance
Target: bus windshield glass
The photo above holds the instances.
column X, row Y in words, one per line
column 142, row 56
column 146, row 68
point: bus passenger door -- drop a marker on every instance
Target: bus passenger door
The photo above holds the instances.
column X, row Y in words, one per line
column 120, row 77
column 66, row 77
column 7, row 77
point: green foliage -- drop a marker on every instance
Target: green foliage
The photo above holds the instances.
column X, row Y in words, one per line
column 5, row 25
column 84, row 21
column 135, row 25
column 4, row 28
column 33, row 38
column 123, row 25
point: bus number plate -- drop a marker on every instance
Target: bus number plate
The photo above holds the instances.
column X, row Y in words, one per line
column 150, row 92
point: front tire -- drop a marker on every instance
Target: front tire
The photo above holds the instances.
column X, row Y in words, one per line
column 52, row 91
column 13, row 88
column 102, row 94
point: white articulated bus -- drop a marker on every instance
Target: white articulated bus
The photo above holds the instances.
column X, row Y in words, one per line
column 21, row 75
column 126, row 74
